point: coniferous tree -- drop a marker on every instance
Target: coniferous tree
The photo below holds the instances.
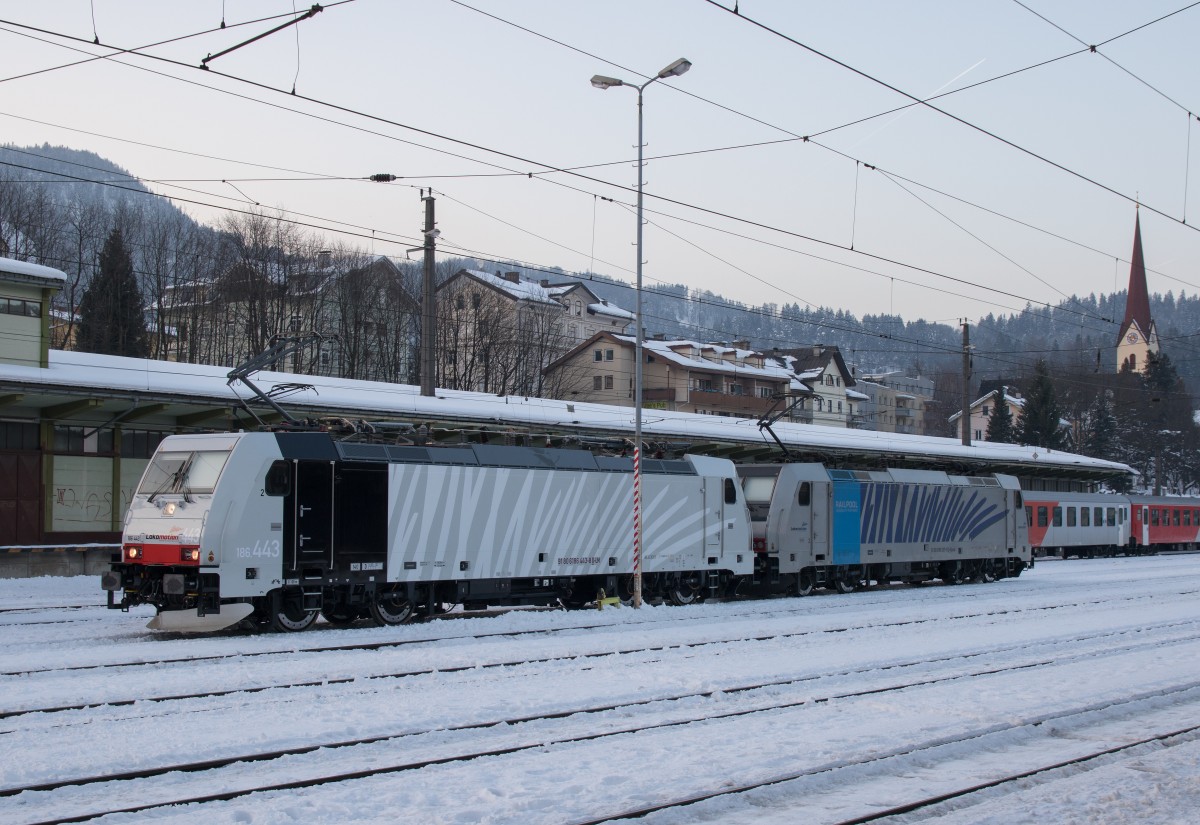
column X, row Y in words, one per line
column 111, row 317
column 1000, row 428
column 1040, row 422
column 1100, row 429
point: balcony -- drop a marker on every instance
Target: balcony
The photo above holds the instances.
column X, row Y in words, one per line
column 904, row 412
column 748, row 405
column 658, row 394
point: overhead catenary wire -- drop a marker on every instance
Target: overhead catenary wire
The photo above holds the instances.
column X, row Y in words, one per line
column 549, row 167
column 1133, row 199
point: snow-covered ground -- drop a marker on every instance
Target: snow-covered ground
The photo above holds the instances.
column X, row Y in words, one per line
column 848, row 706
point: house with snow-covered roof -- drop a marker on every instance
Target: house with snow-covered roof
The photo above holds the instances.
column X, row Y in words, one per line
column 729, row 380
column 984, row 407
column 896, row 402
column 497, row 332
column 820, row 373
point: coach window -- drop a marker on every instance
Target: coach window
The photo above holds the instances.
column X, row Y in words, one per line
column 1112, row 516
column 1196, row 517
column 804, row 494
column 1099, row 517
column 1174, row 517
column 1085, row 516
column 1187, row 518
column 1042, row 516
column 1153, row 516
column 1058, row 516
column 1071, row 516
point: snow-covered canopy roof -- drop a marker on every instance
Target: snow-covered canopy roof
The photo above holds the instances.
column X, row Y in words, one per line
column 13, row 270
column 111, row 376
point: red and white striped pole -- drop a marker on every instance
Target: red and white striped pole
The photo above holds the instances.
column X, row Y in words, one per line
column 637, row 525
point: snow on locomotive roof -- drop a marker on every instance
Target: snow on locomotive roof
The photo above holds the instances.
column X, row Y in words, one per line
column 202, row 384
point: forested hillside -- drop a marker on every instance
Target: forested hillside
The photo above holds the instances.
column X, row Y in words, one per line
column 58, row 205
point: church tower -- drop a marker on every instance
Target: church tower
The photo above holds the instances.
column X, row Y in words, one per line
column 1138, row 337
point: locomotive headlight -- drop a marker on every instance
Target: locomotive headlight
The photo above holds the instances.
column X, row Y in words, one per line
column 132, row 552
column 169, row 509
column 189, row 554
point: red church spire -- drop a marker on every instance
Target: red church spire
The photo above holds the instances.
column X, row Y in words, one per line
column 1137, row 300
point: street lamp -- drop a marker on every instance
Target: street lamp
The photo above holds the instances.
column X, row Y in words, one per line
column 675, row 69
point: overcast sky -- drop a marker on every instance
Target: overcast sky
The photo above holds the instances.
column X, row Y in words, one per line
column 494, row 91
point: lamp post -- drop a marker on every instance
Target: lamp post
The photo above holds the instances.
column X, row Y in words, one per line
column 675, row 69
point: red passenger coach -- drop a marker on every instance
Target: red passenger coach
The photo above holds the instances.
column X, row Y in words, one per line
column 1165, row 523
column 1077, row 524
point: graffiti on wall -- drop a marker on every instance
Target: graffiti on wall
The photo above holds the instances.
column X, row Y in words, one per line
column 82, row 493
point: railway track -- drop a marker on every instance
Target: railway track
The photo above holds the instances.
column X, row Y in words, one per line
column 1173, row 737
column 92, row 787
column 547, row 631
column 475, row 665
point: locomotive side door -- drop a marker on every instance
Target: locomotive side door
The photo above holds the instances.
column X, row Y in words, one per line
column 820, row 512
column 311, row 520
column 714, row 512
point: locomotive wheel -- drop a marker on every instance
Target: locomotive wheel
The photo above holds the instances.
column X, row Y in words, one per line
column 684, row 591
column 805, row 584
column 341, row 615
column 291, row 619
column 390, row 609
column 843, row 585
column 952, row 573
column 987, row 572
column 625, row 590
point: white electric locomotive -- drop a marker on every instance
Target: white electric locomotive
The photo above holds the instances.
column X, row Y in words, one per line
column 818, row 527
column 277, row 528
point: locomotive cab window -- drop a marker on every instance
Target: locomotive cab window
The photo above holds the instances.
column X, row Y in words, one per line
column 804, row 494
column 183, row 472
column 279, row 479
column 730, row 491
